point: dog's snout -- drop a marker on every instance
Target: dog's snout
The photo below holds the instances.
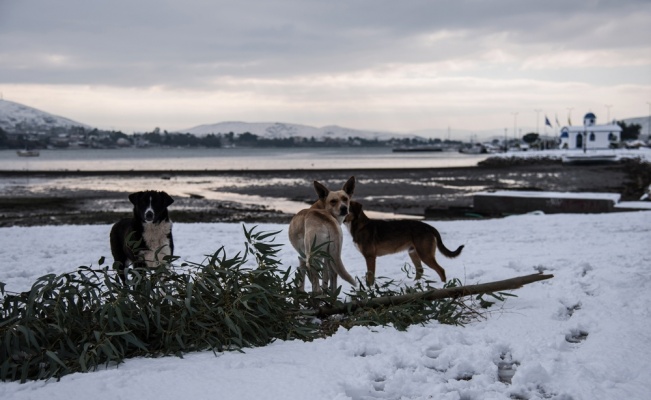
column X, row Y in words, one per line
column 149, row 215
column 343, row 210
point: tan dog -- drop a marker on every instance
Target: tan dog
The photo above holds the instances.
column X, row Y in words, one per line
column 376, row 238
column 319, row 224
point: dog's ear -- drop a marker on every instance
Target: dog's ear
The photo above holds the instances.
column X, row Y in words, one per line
column 167, row 199
column 321, row 190
column 349, row 186
column 133, row 197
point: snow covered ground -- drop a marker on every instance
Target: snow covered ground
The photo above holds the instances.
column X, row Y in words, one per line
column 643, row 153
column 585, row 334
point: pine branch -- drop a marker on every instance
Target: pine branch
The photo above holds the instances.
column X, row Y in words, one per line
column 435, row 294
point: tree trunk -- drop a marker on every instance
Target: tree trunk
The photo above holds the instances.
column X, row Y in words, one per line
column 434, row 294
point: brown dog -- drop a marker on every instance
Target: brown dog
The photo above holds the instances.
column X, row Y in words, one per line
column 376, row 238
column 321, row 225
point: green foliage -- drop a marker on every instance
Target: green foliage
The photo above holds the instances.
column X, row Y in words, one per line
column 446, row 311
column 82, row 320
column 530, row 138
column 629, row 132
column 3, row 138
column 451, row 311
column 499, row 296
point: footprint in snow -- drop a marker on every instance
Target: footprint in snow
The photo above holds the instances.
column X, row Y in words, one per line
column 576, row 336
column 566, row 312
column 433, row 352
column 506, row 368
column 378, row 384
column 433, row 362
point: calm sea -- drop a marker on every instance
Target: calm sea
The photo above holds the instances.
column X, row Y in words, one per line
column 165, row 159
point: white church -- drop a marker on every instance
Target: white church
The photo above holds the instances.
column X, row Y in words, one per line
column 590, row 135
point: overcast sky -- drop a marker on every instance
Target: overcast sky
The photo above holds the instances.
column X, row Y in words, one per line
column 390, row 65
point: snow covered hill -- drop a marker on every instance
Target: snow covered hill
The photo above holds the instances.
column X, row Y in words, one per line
column 278, row 130
column 12, row 114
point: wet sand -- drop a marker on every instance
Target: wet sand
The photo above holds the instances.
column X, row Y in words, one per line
column 253, row 196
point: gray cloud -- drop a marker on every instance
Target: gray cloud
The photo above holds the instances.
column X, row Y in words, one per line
column 192, row 43
column 379, row 64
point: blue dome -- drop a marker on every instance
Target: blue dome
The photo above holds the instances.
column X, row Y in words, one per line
column 590, row 115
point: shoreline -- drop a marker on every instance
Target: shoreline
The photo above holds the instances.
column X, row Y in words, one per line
column 251, row 195
column 218, row 172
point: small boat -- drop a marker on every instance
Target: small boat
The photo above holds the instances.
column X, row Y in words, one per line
column 28, row 153
column 417, row 148
column 476, row 148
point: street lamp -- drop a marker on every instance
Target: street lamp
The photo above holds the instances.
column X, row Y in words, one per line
column 506, row 146
column 515, row 130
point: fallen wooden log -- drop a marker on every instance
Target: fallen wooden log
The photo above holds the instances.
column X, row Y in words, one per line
column 434, row 294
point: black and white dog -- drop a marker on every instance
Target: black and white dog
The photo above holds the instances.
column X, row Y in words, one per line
column 150, row 225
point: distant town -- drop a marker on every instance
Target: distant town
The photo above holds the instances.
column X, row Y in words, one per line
column 25, row 136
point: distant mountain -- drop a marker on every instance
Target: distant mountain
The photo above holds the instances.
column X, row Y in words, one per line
column 278, row 130
column 12, row 114
column 37, row 121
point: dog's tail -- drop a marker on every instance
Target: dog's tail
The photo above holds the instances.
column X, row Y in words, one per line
column 444, row 250
column 341, row 271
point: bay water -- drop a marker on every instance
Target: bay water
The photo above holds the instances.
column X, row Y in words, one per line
column 191, row 159
column 225, row 159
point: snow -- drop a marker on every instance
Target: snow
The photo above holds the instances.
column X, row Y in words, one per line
column 643, row 153
column 601, row 288
column 637, row 205
column 614, row 197
column 14, row 113
column 278, row 130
